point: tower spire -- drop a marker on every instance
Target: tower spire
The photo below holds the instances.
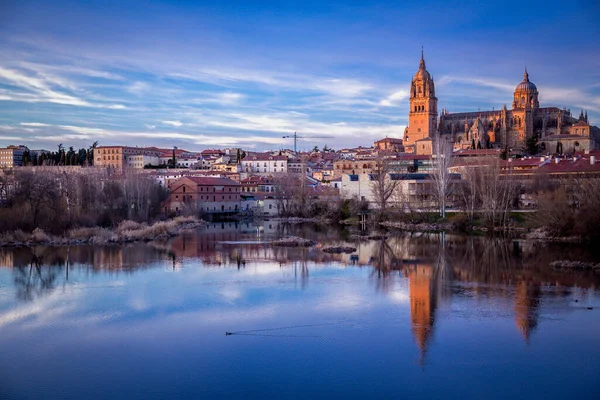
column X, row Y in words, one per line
column 526, row 75
column 422, row 63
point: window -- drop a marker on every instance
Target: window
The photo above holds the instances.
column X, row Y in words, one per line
column 184, row 189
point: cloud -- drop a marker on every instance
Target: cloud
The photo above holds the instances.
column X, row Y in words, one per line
column 394, row 98
column 504, row 86
column 342, row 87
column 172, row 123
column 33, row 124
column 138, row 88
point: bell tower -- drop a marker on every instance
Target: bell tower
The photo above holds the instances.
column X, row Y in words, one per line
column 422, row 116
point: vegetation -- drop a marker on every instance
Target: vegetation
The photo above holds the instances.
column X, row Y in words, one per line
column 61, row 157
column 126, row 231
column 55, row 200
column 569, row 207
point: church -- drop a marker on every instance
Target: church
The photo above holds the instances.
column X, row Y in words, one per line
column 556, row 129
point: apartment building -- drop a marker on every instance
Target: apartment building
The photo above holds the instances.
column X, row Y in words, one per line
column 121, row 158
column 264, row 164
column 12, row 156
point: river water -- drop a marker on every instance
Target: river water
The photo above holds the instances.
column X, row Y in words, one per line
column 416, row 315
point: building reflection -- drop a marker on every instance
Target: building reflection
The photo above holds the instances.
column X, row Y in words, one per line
column 527, row 303
column 423, row 303
column 434, row 265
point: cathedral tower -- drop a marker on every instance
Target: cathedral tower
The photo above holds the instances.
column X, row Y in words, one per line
column 525, row 104
column 422, row 117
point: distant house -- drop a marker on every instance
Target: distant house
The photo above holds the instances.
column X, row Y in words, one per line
column 204, row 195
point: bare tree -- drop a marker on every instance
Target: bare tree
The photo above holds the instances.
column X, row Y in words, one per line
column 382, row 184
column 467, row 191
column 442, row 161
column 497, row 190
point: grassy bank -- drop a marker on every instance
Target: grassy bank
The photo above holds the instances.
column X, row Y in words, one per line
column 125, row 232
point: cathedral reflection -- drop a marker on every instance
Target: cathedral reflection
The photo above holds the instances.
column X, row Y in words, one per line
column 527, row 303
column 423, row 303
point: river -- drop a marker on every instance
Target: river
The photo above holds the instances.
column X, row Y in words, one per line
column 416, row 315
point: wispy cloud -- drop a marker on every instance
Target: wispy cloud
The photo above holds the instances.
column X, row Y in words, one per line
column 394, row 98
column 172, row 123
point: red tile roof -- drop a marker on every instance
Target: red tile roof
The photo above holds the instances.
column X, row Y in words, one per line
column 205, row 180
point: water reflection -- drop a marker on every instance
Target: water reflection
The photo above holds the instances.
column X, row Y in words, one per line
column 410, row 300
column 436, row 266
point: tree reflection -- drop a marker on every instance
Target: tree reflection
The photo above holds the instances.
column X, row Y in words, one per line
column 35, row 279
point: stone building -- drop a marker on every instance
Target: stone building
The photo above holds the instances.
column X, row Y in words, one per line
column 423, row 114
column 496, row 128
column 389, row 144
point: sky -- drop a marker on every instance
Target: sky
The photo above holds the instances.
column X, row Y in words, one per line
column 204, row 74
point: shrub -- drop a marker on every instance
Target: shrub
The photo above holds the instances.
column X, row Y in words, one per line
column 39, row 236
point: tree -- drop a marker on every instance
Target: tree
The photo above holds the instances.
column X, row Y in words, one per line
column 90, row 153
column 315, row 149
column 26, row 158
column 532, row 146
column 442, row 161
column 382, row 184
column 497, row 192
column 468, row 195
column 38, row 192
column 172, row 163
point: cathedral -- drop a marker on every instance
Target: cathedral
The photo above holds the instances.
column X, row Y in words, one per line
column 556, row 129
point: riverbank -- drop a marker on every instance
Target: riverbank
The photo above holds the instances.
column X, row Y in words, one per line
column 125, row 232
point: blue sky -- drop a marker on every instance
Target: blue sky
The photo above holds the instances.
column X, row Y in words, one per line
column 204, row 74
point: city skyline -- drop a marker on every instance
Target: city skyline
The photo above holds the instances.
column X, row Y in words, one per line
column 245, row 75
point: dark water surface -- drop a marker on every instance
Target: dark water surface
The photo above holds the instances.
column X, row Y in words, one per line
column 419, row 315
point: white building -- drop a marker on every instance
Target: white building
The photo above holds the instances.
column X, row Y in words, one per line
column 141, row 160
column 264, row 164
column 412, row 191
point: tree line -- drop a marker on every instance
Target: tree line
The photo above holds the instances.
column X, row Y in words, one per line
column 55, row 201
column 61, row 157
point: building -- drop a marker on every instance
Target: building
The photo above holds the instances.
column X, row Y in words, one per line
column 121, row 158
column 12, row 156
column 264, row 164
column 204, row 195
column 389, row 144
column 422, row 116
column 496, row 128
column 139, row 161
column 413, row 191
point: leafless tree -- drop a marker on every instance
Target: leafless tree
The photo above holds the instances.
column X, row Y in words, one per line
column 467, row 191
column 497, row 190
column 383, row 186
column 442, row 161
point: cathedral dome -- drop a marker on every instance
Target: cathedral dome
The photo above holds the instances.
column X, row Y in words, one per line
column 526, row 85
